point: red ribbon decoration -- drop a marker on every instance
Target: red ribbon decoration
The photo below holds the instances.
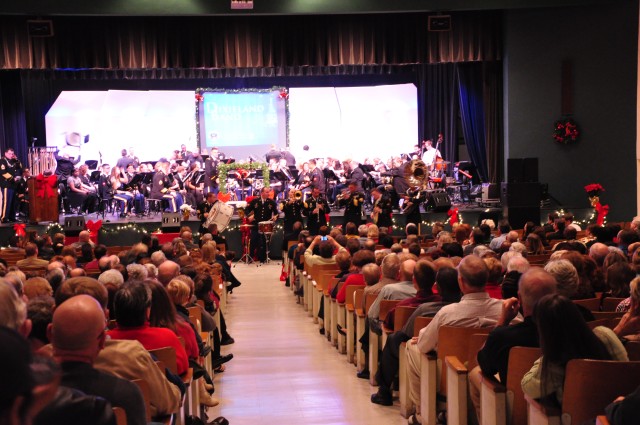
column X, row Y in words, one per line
column 199, row 97
column 20, row 229
column 453, row 214
column 602, row 211
column 46, row 186
column 94, row 226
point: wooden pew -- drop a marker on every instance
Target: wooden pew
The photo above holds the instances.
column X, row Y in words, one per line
column 360, row 325
column 633, row 350
column 591, row 304
column 322, row 281
column 589, row 386
column 610, row 303
column 500, row 404
column 341, row 319
column 452, row 341
column 190, row 404
column 376, row 342
column 329, row 325
column 606, row 315
column 120, row 415
column 350, row 305
column 457, row 379
column 406, row 406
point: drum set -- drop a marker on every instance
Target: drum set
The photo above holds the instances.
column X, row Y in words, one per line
column 265, row 228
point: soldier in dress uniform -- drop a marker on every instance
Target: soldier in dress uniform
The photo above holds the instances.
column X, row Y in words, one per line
column 160, row 188
column 211, row 173
column 204, row 208
column 411, row 207
column 292, row 209
column 258, row 210
column 352, row 200
column 382, row 209
column 10, row 172
column 315, row 209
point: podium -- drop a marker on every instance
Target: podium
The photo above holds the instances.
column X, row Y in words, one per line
column 43, row 199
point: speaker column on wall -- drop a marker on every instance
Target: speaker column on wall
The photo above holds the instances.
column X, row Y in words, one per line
column 438, row 202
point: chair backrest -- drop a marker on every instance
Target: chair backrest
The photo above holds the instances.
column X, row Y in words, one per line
column 167, row 355
column 402, row 314
column 358, row 296
column 521, row 360
column 349, row 294
column 600, row 322
column 633, row 350
column 610, row 303
column 323, row 278
column 146, row 395
column 454, row 341
column 369, row 299
column 597, row 315
column 120, row 415
column 476, row 342
column 332, row 284
column 421, row 322
column 592, row 304
column 196, row 312
column 590, row 385
column 385, row 307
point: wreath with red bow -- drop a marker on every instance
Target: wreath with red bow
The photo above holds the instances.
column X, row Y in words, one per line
column 565, row 131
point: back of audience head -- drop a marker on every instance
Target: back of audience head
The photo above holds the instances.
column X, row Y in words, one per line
column 494, row 268
column 414, row 248
column 373, row 232
column 447, row 283
column 534, row 284
column 411, row 229
column 131, row 303
column 40, row 312
column 396, row 248
column 325, row 249
column 390, row 267
column 163, row 311
column 13, row 310
column 181, row 289
column 37, row 286
column 518, row 263
column 78, row 327
column 371, row 274
column 473, row 272
column 362, row 257
column 424, row 276
column 353, row 246
column 406, row 270
column 167, row 271
column 565, row 275
column 15, row 279
column 618, row 277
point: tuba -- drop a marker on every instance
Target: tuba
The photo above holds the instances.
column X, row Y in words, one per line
column 416, row 173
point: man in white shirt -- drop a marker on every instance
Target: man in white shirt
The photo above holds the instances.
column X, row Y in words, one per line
column 430, row 153
column 475, row 310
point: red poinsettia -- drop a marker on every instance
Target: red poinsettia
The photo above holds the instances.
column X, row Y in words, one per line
column 594, row 188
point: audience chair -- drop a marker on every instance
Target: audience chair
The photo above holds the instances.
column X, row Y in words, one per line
column 633, row 350
column 351, row 323
column 329, row 325
column 592, row 304
column 190, row 404
column 452, row 341
column 610, row 303
column 597, row 315
column 120, row 415
column 360, row 316
column 503, row 405
column 376, row 343
column 589, row 386
column 360, row 326
column 406, row 405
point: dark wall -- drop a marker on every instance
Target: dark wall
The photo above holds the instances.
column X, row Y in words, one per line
column 602, row 44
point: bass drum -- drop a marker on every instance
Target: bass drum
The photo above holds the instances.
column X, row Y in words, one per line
column 220, row 214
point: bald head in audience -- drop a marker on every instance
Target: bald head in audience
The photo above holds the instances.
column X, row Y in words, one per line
column 167, row 271
column 391, row 266
column 56, row 265
column 77, row 330
column 534, row 284
column 104, row 263
column 84, row 237
column 77, row 272
column 371, row 274
column 472, row 274
column 406, row 270
column 598, row 252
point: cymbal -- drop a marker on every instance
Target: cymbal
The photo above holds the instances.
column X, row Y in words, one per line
column 246, row 225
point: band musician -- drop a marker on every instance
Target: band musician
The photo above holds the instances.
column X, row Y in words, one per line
column 352, row 200
column 10, row 173
column 316, row 209
column 161, row 184
column 259, row 210
column 292, row 209
column 204, row 208
column 381, row 215
column 411, row 207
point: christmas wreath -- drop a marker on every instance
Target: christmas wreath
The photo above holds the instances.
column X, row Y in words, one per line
column 565, row 131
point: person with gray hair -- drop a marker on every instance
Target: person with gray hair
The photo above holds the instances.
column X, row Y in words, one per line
column 111, row 279
column 566, row 275
column 598, row 252
column 158, row 258
column 13, row 278
column 152, row 271
column 137, row 272
column 518, row 247
column 13, row 309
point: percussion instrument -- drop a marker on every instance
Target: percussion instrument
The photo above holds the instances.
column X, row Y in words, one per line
column 220, row 214
column 265, row 227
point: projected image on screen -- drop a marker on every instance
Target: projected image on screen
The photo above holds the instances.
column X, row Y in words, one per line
column 242, row 122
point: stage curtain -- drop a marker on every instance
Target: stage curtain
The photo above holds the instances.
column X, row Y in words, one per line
column 13, row 129
column 438, row 107
column 492, row 77
column 249, row 41
column 470, row 84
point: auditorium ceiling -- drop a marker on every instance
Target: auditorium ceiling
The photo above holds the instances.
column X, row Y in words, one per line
column 264, row 7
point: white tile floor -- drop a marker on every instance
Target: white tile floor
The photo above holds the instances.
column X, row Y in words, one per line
column 283, row 371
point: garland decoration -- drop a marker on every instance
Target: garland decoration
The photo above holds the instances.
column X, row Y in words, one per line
column 223, row 171
column 565, row 131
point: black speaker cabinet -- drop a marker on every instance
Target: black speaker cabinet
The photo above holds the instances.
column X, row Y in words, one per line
column 520, row 194
column 171, row 222
column 518, row 216
column 74, row 225
column 522, row 170
column 438, row 202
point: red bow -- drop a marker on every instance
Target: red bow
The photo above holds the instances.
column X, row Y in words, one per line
column 45, row 186
column 453, row 214
column 602, row 211
column 20, row 229
column 94, row 226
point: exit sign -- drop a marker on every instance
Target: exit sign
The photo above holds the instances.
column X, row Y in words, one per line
column 241, row 4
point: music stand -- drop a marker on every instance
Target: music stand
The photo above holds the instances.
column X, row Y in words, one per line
column 328, row 175
column 95, row 176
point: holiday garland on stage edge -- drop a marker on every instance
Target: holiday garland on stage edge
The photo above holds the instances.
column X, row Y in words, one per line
column 223, row 171
column 565, row 131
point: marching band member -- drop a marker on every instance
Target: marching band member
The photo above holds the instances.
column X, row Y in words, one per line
column 105, row 192
column 204, row 208
column 352, row 200
column 316, row 176
column 315, row 209
column 411, row 207
column 292, row 209
column 382, row 209
column 195, row 184
column 258, row 210
column 10, row 171
column 160, row 188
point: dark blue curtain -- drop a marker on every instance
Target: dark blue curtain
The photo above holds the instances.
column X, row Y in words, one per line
column 438, row 107
column 470, row 89
column 13, row 129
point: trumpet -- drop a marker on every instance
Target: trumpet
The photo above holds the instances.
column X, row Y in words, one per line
column 345, row 194
column 297, row 195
